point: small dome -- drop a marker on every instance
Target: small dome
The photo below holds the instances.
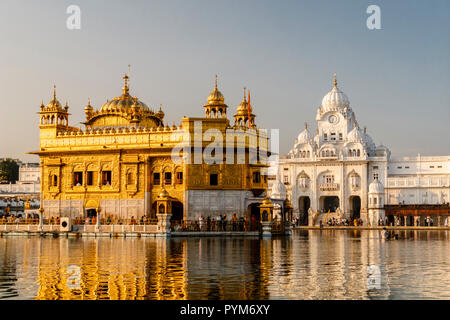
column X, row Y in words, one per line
column 160, row 114
column 304, row 136
column 216, row 97
column 376, row 187
column 164, row 194
column 243, row 107
column 88, row 108
column 54, row 104
column 335, row 98
column 355, row 135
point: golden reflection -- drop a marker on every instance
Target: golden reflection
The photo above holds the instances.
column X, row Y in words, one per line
column 312, row 264
column 116, row 269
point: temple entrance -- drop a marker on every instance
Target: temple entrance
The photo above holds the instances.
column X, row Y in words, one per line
column 355, row 207
column 330, row 203
column 254, row 217
column 304, row 204
column 177, row 211
column 90, row 213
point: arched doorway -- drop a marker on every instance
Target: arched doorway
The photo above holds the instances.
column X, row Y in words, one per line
column 254, row 218
column 90, row 212
column 177, row 211
column 355, row 207
column 304, row 204
column 330, row 203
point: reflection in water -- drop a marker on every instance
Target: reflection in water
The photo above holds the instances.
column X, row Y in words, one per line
column 327, row 264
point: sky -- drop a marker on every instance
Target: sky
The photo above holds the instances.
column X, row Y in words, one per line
column 286, row 52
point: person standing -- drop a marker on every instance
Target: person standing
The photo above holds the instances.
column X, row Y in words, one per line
column 224, row 222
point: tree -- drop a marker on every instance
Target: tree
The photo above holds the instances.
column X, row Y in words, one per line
column 9, row 171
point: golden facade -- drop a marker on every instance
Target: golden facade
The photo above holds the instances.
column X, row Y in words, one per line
column 123, row 160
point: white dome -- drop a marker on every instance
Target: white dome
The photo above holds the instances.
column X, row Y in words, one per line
column 355, row 135
column 376, row 187
column 304, row 136
column 335, row 99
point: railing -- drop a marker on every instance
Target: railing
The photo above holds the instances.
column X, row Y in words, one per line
column 114, row 221
column 328, row 186
column 212, row 226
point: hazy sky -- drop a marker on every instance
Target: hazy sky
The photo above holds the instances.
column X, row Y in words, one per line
column 286, row 52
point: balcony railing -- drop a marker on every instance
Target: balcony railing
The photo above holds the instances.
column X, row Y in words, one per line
column 329, row 186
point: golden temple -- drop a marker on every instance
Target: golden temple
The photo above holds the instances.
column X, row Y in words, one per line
column 121, row 164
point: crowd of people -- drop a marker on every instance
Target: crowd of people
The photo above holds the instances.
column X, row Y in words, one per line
column 20, row 218
column 218, row 223
column 343, row 222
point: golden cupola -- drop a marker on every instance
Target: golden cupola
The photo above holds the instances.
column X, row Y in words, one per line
column 244, row 116
column 216, row 107
column 53, row 114
column 123, row 111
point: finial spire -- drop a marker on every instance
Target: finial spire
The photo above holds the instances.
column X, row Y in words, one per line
column 54, row 92
column 215, row 85
column 125, row 88
column 306, row 125
column 245, row 88
column 335, row 81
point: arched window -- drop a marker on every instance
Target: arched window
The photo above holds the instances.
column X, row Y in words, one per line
column 54, row 182
column 307, row 154
column 358, row 153
column 130, row 178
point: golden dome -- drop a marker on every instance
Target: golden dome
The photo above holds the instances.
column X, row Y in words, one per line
column 160, row 113
column 216, row 97
column 164, row 194
column 242, row 109
column 88, row 108
column 54, row 103
column 125, row 102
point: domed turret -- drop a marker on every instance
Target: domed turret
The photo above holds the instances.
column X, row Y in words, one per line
column 355, row 135
column 244, row 116
column 88, row 110
column 216, row 107
column 216, row 97
column 304, row 136
column 160, row 114
column 54, row 104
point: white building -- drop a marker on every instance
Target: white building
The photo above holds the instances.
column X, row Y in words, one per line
column 328, row 174
column 29, row 180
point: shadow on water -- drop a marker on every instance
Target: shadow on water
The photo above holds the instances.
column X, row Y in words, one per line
column 312, row 264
